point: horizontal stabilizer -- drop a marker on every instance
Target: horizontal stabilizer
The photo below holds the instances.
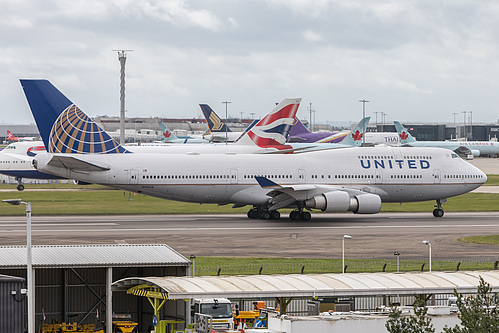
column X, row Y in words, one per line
column 73, row 163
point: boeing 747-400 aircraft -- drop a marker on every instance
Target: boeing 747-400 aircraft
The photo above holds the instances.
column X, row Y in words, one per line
column 463, row 148
column 354, row 179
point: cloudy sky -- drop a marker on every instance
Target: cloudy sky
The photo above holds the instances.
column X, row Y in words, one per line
column 413, row 60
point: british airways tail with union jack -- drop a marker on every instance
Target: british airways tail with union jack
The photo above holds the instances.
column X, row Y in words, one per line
column 273, row 129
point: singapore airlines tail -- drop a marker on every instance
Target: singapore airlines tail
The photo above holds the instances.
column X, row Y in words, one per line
column 404, row 135
column 215, row 124
column 63, row 126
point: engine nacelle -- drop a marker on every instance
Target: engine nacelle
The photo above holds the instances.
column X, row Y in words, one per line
column 475, row 152
column 79, row 182
column 367, row 204
column 339, row 201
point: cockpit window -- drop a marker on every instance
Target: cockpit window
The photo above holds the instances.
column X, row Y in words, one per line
column 454, row 155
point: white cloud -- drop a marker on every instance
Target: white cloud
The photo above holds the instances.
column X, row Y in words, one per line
column 311, row 36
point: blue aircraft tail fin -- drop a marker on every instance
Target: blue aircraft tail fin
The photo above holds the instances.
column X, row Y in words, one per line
column 63, row 127
column 215, row 124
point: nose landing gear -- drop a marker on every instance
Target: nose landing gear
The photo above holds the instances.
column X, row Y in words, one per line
column 439, row 211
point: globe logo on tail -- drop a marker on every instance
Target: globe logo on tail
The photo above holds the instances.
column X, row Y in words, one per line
column 74, row 132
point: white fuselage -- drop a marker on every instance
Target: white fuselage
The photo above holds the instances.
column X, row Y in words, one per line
column 395, row 174
column 484, row 147
column 16, row 160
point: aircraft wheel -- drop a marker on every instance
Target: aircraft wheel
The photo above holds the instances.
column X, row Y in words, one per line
column 275, row 215
column 305, row 216
column 20, row 187
column 294, row 215
column 265, row 214
column 253, row 214
column 438, row 212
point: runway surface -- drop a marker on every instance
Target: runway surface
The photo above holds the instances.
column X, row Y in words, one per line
column 374, row 236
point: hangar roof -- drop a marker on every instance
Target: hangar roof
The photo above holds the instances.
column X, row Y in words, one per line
column 312, row 285
column 116, row 255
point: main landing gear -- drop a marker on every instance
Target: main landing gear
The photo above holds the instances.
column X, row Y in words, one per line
column 300, row 215
column 20, row 186
column 265, row 214
column 438, row 211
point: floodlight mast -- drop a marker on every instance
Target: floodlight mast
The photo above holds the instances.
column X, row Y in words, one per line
column 343, row 252
column 29, row 265
column 122, row 59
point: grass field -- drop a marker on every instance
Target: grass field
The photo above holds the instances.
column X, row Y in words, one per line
column 492, row 180
column 489, row 240
column 249, row 266
column 98, row 200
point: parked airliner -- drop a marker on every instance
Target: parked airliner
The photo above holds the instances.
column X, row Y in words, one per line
column 16, row 161
column 12, row 138
column 218, row 131
column 354, row 179
column 464, row 148
column 170, row 137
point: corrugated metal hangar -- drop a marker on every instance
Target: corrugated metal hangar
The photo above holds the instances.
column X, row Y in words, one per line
column 12, row 304
column 70, row 280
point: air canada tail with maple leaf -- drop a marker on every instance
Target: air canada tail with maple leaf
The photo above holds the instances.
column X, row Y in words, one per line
column 404, row 135
column 354, row 138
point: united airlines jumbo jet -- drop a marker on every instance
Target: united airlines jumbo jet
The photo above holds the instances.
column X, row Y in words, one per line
column 336, row 180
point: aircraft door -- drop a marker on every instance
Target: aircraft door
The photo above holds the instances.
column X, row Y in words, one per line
column 133, row 176
column 233, row 176
column 378, row 176
column 301, row 176
column 437, row 174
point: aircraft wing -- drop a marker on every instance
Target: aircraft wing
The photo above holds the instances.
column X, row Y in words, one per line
column 283, row 196
column 463, row 151
column 73, row 163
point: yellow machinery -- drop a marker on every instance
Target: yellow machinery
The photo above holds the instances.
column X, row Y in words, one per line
column 69, row 327
column 248, row 317
column 122, row 323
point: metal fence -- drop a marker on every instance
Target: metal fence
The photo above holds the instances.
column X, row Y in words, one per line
column 368, row 266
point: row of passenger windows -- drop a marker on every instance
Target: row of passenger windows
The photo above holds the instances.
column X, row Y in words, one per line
column 187, row 176
column 344, row 176
column 289, row 176
column 406, row 176
column 463, row 176
column 268, row 176
column 14, row 162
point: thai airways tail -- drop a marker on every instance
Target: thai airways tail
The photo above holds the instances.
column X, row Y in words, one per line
column 298, row 128
column 168, row 135
column 354, row 138
column 215, row 124
column 404, row 135
column 273, row 129
column 64, row 128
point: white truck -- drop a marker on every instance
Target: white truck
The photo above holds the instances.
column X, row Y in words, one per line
column 219, row 309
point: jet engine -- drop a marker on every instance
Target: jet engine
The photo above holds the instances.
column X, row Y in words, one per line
column 339, row 201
